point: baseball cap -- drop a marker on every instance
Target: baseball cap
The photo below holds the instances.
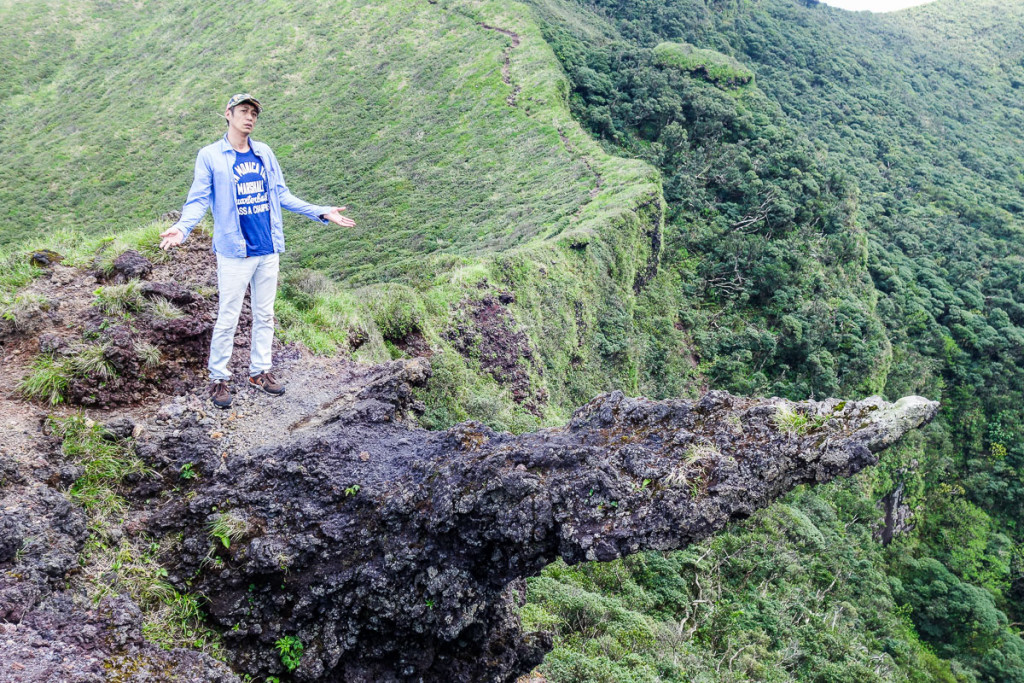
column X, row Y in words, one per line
column 244, row 97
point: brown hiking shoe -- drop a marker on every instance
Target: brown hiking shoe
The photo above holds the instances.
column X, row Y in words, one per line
column 266, row 382
column 220, row 394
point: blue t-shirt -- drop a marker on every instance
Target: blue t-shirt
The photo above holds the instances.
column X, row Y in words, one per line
column 252, row 203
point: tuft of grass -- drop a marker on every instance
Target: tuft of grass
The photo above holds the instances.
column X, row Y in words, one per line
column 118, row 299
column 689, row 472
column 148, row 353
column 677, row 478
column 697, row 452
column 226, row 527
column 162, row 308
column 92, row 361
column 107, row 462
column 47, row 380
column 797, row 424
column 789, row 421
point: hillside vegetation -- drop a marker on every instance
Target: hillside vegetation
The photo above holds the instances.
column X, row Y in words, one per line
column 561, row 197
column 848, row 222
column 443, row 127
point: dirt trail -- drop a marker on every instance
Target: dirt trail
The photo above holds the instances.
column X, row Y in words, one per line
column 506, row 67
column 69, row 321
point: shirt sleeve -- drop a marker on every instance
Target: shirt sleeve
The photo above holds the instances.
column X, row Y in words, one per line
column 198, row 200
column 290, row 201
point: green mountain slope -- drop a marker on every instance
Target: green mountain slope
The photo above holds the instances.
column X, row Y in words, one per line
column 443, row 127
column 397, row 110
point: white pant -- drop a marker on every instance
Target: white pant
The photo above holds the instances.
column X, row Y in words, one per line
column 234, row 275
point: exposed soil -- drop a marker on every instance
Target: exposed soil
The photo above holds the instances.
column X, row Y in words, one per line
column 506, row 67
column 486, row 330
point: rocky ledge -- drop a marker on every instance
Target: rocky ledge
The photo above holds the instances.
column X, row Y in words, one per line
column 397, row 554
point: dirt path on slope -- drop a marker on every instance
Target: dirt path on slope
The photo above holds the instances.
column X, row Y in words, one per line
column 506, row 67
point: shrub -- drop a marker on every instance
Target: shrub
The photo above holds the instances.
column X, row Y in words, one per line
column 397, row 310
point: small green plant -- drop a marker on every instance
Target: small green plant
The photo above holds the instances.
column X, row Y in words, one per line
column 789, row 421
column 148, row 353
column 47, row 380
column 352, row 490
column 290, row 648
column 162, row 308
column 118, row 299
column 430, row 603
column 227, row 527
column 92, row 361
column 186, row 471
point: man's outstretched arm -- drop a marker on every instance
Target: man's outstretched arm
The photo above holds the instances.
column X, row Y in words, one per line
column 292, row 203
column 196, row 204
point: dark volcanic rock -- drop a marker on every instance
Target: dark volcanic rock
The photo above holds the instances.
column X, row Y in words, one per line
column 898, row 518
column 41, row 534
column 486, row 329
column 397, row 554
column 62, row 642
column 131, row 265
column 44, row 258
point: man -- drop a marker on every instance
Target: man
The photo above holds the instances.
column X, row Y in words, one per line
column 242, row 180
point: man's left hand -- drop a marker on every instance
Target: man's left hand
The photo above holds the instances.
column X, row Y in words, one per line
column 334, row 216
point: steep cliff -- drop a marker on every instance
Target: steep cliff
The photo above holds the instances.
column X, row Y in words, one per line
column 397, row 554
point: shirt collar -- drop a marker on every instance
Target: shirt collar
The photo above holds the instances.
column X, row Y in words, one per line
column 225, row 146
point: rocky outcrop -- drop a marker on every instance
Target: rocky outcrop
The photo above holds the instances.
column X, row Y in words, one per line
column 397, row 554
column 63, row 641
column 49, row 634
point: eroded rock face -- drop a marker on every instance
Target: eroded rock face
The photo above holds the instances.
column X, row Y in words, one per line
column 397, row 554
column 50, row 634
column 63, row 641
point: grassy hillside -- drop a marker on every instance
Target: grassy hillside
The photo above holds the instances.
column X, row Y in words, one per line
column 396, row 109
column 443, row 126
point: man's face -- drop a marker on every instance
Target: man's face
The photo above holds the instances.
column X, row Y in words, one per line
column 242, row 118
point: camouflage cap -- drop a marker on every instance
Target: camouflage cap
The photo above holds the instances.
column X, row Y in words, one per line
column 244, row 97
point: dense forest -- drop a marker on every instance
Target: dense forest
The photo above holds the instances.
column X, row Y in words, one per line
column 844, row 199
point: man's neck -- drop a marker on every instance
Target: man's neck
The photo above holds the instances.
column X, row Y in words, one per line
column 239, row 141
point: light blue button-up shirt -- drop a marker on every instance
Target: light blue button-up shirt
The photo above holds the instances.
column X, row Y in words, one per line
column 214, row 184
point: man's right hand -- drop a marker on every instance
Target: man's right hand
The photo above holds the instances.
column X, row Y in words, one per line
column 171, row 238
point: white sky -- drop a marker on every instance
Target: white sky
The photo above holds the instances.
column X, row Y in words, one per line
column 874, row 5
